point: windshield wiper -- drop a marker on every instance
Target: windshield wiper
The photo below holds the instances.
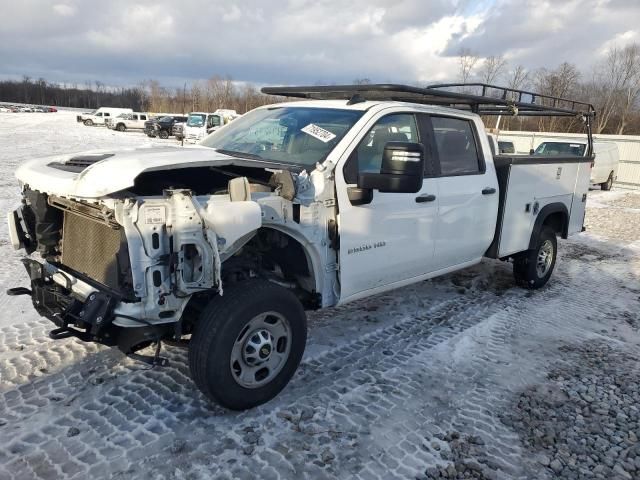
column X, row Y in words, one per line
column 232, row 153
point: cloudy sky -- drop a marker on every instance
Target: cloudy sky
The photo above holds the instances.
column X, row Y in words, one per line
column 122, row 42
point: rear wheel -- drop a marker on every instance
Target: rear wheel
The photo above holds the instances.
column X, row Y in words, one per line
column 164, row 134
column 88, row 123
column 247, row 344
column 534, row 268
column 608, row 184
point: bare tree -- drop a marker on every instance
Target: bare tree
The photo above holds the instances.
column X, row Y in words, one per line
column 561, row 82
column 492, row 69
column 631, row 86
column 467, row 60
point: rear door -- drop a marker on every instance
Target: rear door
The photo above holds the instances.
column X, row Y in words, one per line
column 468, row 192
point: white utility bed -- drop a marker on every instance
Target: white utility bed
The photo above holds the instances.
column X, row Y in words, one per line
column 530, row 184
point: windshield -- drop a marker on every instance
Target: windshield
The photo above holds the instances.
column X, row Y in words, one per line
column 295, row 135
column 196, row 120
column 561, row 148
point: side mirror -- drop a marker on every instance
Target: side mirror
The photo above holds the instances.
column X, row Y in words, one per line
column 532, row 151
column 402, row 169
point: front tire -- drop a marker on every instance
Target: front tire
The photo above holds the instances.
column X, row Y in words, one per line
column 121, row 127
column 608, row 184
column 247, row 344
column 88, row 123
column 533, row 269
column 164, row 134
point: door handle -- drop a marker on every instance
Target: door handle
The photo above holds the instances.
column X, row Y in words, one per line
column 489, row 191
column 425, row 198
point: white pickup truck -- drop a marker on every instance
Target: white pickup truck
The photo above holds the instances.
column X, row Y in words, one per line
column 294, row 206
column 127, row 121
column 101, row 115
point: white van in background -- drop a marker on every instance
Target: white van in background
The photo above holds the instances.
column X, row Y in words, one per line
column 607, row 158
column 98, row 117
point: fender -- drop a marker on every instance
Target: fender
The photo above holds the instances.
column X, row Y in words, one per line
column 542, row 216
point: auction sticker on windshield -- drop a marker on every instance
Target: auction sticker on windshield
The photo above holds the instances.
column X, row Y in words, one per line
column 319, row 133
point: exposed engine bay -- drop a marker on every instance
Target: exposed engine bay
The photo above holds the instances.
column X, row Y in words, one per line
column 140, row 258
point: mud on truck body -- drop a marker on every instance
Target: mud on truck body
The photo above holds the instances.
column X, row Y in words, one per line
column 295, row 206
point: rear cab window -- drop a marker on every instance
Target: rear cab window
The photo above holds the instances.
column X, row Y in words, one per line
column 458, row 150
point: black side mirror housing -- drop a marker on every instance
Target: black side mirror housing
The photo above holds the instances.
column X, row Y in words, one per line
column 402, row 169
column 532, row 151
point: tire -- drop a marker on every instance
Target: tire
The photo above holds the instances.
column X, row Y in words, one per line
column 533, row 269
column 235, row 358
column 88, row 123
column 120, row 127
column 163, row 134
column 608, row 184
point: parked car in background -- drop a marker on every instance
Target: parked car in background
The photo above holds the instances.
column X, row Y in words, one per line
column 98, row 117
column 201, row 124
column 163, row 127
column 607, row 158
column 128, row 121
column 5, row 110
column 178, row 130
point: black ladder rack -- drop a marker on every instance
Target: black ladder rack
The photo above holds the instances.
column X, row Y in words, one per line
column 480, row 98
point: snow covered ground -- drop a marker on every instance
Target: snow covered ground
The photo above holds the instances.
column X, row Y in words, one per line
column 464, row 376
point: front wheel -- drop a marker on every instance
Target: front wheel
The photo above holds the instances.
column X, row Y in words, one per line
column 247, row 344
column 164, row 134
column 533, row 269
column 121, row 127
column 608, row 184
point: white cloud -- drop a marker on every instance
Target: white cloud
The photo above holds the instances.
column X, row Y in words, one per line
column 300, row 41
column 64, row 10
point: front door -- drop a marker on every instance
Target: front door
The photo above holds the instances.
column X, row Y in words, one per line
column 392, row 238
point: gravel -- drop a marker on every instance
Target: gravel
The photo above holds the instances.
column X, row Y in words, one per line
column 585, row 421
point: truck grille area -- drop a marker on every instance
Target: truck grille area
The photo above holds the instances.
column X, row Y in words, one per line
column 96, row 250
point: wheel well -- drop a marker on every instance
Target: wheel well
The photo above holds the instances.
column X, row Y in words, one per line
column 278, row 257
column 559, row 222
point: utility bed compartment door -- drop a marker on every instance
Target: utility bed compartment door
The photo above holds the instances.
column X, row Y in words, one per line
column 583, row 181
column 527, row 186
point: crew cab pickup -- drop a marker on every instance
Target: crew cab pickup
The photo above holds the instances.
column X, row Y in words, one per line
column 352, row 191
column 127, row 121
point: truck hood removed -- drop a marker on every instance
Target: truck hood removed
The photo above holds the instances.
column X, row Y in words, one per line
column 95, row 174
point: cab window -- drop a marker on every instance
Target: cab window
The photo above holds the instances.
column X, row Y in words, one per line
column 367, row 157
column 456, row 145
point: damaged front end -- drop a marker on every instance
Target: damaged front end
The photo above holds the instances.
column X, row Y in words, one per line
column 119, row 271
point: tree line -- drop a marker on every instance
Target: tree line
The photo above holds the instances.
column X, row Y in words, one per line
column 612, row 85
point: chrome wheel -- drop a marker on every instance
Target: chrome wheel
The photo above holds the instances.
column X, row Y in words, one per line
column 544, row 259
column 261, row 350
